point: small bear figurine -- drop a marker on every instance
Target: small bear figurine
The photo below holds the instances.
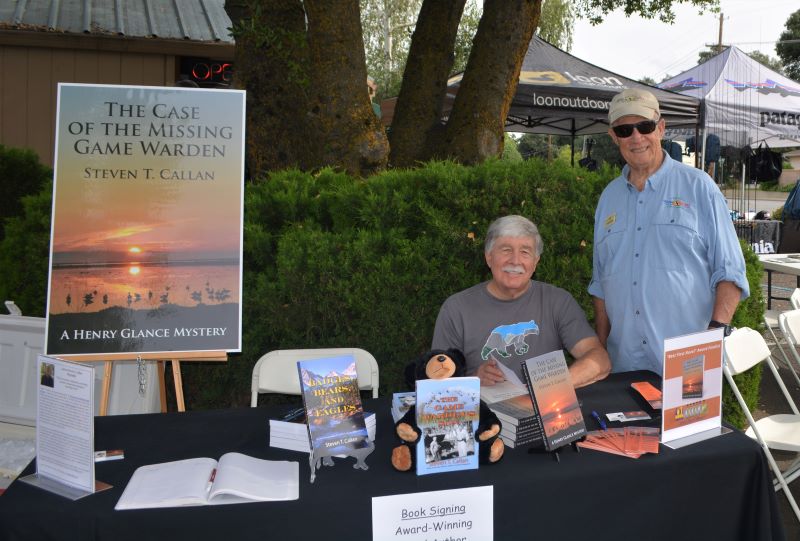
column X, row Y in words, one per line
column 443, row 364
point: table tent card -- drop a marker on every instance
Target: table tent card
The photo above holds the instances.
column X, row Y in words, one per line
column 335, row 417
column 692, row 388
column 65, row 429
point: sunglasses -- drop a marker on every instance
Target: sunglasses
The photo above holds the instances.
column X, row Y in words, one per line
column 626, row 130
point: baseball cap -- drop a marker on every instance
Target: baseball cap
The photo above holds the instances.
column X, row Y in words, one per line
column 633, row 101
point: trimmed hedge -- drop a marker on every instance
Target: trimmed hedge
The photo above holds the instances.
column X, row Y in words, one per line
column 333, row 261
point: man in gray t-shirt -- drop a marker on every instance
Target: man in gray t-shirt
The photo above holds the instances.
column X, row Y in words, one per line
column 511, row 317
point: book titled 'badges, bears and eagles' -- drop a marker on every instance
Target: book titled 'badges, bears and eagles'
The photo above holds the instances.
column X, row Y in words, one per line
column 557, row 408
column 333, row 405
column 448, row 412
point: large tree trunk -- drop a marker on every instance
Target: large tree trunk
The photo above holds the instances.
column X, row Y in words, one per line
column 475, row 128
column 417, row 118
column 352, row 137
column 271, row 63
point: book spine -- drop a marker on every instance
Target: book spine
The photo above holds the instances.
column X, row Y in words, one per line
column 537, row 415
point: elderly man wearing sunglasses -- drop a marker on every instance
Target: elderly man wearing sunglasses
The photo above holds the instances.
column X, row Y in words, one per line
column 666, row 258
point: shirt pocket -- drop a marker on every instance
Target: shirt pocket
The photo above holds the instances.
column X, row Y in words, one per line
column 672, row 239
column 609, row 248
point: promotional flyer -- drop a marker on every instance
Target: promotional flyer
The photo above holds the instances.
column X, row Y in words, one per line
column 146, row 244
column 692, row 386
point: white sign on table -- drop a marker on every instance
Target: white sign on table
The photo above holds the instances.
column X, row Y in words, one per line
column 692, row 388
column 466, row 514
column 64, row 428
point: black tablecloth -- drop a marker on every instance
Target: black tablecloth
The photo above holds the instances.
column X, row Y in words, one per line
column 717, row 489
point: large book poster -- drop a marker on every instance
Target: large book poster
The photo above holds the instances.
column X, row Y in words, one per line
column 146, row 244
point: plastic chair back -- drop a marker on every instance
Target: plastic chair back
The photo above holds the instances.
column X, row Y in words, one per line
column 276, row 371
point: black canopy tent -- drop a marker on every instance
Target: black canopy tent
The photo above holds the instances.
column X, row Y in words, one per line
column 560, row 94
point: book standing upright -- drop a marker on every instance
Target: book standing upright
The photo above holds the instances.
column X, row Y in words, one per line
column 448, row 412
column 555, row 404
column 333, row 409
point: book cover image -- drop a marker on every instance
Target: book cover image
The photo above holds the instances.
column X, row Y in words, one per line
column 551, row 388
column 693, row 377
column 146, row 240
column 333, row 406
column 447, row 414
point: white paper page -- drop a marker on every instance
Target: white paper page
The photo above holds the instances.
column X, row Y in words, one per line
column 65, row 422
column 509, row 388
column 244, row 478
column 171, row 484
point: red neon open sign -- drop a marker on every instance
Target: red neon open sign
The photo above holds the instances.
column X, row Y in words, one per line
column 216, row 72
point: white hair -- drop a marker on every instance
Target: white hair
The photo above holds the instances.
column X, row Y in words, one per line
column 513, row 226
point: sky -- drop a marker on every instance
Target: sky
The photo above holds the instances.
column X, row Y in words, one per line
column 636, row 47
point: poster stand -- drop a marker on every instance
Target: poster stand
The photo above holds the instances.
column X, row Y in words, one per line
column 173, row 357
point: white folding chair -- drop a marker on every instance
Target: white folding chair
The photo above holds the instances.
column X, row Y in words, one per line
column 744, row 349
column 276, row 371
column 771, row 322
column 789, row 323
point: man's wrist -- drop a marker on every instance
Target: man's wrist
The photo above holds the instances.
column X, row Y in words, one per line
column 714, row 324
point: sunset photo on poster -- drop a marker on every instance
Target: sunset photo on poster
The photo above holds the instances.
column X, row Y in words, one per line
column 147, row 220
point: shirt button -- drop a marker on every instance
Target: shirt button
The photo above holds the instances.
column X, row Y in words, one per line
column 644, row 342
column 637, row 312
column 640, row 202
column 636, row 255
column 672, row 221
column 638, row 229
column 634, row 283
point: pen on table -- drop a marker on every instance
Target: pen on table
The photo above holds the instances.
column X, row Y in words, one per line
column 599, row 420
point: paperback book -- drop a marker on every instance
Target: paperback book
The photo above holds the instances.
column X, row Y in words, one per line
column 236, row 478
column 448, row 412
column 401, row 403
column 293, row 434
column 555, row 404
column 332, row 404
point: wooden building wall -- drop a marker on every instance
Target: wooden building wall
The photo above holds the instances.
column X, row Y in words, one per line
column 30, row 76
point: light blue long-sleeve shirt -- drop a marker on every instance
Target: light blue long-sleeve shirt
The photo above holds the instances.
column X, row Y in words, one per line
column 658, row 257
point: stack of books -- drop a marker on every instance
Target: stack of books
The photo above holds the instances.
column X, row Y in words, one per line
column 631, row 441
column 291, row 431
column 520, row 425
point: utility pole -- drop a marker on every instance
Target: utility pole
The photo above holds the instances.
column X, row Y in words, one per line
column 719, row 41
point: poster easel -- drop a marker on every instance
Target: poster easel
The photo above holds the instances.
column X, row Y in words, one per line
column 173, row 357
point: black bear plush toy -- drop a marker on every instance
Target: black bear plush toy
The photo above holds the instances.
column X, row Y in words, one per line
column 443, row 364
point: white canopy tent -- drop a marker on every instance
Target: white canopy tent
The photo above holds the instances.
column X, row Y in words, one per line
column 744, row 103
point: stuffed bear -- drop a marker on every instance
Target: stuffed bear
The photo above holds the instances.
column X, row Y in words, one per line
column 442, row 364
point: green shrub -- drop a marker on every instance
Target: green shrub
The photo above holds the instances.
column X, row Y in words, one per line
column 21, row 174
column 24, row 253
column 333, row 261
column 749, row 313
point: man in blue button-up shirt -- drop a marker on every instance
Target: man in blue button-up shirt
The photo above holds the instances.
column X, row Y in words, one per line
column 666, row 258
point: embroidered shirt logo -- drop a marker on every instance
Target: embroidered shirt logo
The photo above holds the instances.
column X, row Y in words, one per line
column 610, row 220
column 675, row 202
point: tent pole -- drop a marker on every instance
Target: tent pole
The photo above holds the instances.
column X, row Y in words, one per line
column 572, row 144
